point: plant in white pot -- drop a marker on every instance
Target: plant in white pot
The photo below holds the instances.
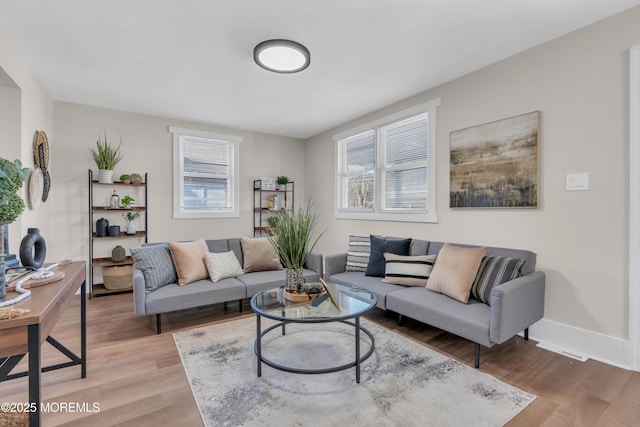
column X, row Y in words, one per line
column 12, row 175
column 130, row 217
column 293, row 241
column 106, row 157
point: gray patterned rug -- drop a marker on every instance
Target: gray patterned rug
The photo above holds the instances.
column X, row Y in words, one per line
column 403, row 383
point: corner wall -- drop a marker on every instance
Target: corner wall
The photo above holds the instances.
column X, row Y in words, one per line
column 580, row 84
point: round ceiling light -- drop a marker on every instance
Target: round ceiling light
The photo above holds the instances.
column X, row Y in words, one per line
column 282, row 56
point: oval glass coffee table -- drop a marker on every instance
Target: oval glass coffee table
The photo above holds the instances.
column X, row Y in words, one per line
column 351, row 303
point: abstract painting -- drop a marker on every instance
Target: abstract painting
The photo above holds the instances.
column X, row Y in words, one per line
column 496, row 165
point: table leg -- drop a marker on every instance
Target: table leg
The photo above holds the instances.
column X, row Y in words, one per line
column 258, row 346
column 33, row 347
column 357, row 334
column 83, row 329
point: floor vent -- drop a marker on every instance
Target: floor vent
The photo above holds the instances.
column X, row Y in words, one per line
column 562, row 351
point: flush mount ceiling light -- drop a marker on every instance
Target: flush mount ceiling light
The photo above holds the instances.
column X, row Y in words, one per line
column 282, row 56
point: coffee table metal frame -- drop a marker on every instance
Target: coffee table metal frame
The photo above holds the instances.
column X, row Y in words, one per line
column 283, row 321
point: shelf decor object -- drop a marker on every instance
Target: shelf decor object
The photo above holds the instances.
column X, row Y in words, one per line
column 114, row 280
column 106, row 157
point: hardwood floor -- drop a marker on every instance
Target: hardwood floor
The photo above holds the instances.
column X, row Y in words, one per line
column 137, row 379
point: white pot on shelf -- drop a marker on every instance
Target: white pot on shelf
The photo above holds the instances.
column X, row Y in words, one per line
column 105, row 176
column 131, row 228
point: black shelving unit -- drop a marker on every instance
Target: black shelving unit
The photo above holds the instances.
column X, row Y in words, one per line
column 261, row 210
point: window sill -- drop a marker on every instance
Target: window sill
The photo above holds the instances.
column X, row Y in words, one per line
column 380, row 216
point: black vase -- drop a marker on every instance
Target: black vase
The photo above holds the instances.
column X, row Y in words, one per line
column 102, row 227
column 33, row 249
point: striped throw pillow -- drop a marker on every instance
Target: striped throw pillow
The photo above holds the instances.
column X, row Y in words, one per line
column 358, row 254
column 408, row 270
column 493, row 271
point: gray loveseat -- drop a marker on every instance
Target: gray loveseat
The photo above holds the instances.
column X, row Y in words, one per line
column 172, row 297
column 514, row 305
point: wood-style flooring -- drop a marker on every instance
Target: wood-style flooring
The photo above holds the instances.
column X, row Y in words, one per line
column 137, row 379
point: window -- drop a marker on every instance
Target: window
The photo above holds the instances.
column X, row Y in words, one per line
column 386, row 168
column 205, row 174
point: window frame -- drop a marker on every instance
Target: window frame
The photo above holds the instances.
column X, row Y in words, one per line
column 178, row 174
column 378, row 213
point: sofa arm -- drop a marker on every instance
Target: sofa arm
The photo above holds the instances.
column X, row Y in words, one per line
column 336, row 263
column 139, row 294
column 314, row 262
column 516, row 305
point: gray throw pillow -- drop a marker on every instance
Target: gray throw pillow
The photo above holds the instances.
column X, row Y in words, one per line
column 156, row 265
column 494, row 271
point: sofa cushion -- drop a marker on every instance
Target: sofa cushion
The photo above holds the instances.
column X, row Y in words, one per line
column 454, row 271
column 188, row 257
column 408, row 270
column 380, row 245
column 201, row 292
column 259, row 255
column 358, row 253
column 156, row 265
column 222, row 265
column 262, row 280
column 493, row 271
column 375, row 285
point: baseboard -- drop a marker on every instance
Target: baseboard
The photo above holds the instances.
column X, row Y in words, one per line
column 603, row 348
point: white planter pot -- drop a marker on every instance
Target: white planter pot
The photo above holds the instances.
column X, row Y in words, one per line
column 131, row 228
column 105, row 176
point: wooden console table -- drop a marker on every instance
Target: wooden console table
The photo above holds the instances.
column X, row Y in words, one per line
column 26, row 333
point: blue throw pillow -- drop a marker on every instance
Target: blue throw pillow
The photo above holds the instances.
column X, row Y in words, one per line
column 156, row 264
column 380, row 245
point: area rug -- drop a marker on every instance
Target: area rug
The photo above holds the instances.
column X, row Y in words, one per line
column 403, row 383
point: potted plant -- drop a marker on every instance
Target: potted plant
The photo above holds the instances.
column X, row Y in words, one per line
column 127, row 201
column 12, row 175
column 106, row 157
column 293, row 242
column 125, row 178
column 282, row 182
column 130, row 217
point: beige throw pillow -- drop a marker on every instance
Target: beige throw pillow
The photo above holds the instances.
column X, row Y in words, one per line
column 454, row 271
column 259, row 255
column 188, row 258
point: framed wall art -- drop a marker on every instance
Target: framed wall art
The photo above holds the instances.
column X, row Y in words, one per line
column 496, row 165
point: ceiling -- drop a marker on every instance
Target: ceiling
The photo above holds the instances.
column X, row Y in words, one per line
column 193, row 59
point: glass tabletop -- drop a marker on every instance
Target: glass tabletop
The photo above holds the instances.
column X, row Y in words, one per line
column 350, row 301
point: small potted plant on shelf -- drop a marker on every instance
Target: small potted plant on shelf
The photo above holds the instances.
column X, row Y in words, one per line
column 130, row 217
column 106, row 157
column 282, row 182
column 127, row 201
column 125, row 178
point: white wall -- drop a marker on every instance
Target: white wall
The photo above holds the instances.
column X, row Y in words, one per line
column 32, row 108
column 580, row 84
column 147, row 147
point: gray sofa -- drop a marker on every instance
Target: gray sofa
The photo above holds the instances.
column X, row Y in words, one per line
column 173, row 297
column 515, row 305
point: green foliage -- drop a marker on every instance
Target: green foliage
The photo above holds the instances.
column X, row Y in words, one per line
column 125, row 177
column 127, row 200
column 12, row 175
column 282, row 180
column 293, row 236
column 105, row 155
column 130, row 216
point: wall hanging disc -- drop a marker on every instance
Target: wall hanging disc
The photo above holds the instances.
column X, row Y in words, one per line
column 41, row 150
column 47, row 185
column 36, row 187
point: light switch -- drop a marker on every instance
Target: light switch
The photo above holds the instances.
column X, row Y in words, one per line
column 577, row 182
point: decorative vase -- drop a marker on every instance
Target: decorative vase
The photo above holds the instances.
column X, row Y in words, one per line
column 33, row 249
column 118, row 254
column 294, row 280
column 105, row 176
column 3, row 283
column 114, row 230
column 102, row 227
column 131, row 228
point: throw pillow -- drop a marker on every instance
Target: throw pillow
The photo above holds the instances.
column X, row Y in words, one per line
column 259, row 255
column 188, row 258
column 358, row 253
column 222, row 265
column 380, row 245
column 493, row 271
column 454, row 271
column 156, row 265
column 407, row 270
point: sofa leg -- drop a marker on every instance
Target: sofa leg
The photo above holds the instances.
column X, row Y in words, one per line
column 476, row 361
column 401, row 320
column 240, row 305
column 526, row 334
column 158, row 324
